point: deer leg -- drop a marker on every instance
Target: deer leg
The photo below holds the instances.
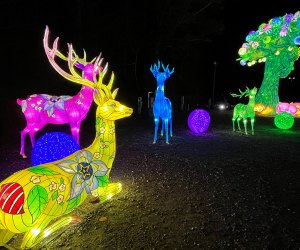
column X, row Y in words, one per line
column 23, row 134
column 64, row 221
column 156, row 121
column 31, row 135
column 171, row 129
column 166, row 121
column 162, row 129
column 30, row 129
column 5, row 236
column 245, row 126
column 252, row 125
column 75, row 132
column 36, row 234
column 238, row 123
column 233, row 125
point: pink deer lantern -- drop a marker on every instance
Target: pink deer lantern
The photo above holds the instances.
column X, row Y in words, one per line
column 41, row 109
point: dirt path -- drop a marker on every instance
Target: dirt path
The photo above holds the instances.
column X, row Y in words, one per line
column 219, row 190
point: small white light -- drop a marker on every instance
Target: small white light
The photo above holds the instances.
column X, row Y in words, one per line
column 221, row 106
column 35, row 231
column 47, row 232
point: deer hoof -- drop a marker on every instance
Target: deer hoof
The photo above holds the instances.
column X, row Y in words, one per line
column 154, row 142
column 167, row 142
column 95, row 200
column 24, row 156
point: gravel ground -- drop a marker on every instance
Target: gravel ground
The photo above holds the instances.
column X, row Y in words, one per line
column 218, row 190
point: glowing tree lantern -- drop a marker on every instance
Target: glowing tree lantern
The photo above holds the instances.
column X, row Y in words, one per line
column 284, row 120
column 162, row 107
column 199, row 121
column 243, row 112
column 41, row 109
column 276, row 44
column 53, row 146
column 32, row 198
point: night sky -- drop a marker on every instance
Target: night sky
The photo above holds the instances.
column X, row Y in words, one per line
column 189, row 35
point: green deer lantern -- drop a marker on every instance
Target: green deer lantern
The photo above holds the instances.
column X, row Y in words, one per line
column 242, row 111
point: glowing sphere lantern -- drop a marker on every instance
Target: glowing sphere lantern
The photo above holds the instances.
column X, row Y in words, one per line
column 198, row 121
column 284, row 120
column 53, row 146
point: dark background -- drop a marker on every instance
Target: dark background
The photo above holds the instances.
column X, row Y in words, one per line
column 189, row 35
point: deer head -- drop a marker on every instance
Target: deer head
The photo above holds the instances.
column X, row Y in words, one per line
column 89, row 68
column 161, row 77
column 108, row 107
column 248, row 92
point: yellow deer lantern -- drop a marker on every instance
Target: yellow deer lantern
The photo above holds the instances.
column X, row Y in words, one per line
column 31, row 198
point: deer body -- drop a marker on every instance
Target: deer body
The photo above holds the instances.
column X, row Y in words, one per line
column 162, row 107
column 243, row 112
column 41, row 109
column 31, row 198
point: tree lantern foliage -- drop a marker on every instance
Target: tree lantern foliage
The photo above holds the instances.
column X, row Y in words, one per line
column 276, row 44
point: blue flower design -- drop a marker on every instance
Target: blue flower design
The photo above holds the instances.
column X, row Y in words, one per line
column 85, row 172
column 54, row 101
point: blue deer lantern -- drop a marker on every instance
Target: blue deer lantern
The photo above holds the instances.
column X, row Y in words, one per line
column 162, row 107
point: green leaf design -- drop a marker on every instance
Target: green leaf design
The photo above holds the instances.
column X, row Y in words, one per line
column 54, row 195
column 42, row 170
column 37, row 201
column 61, row 181
column 73, row 203
column 97, row 120
column 103, row 181
column 103, row 125
column 61, row 204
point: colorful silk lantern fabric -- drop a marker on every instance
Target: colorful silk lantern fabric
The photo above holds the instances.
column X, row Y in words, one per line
column 199, row 121
column 284, row 120
column 53, row 146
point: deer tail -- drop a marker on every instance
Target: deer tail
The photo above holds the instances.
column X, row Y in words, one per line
column 19, row 101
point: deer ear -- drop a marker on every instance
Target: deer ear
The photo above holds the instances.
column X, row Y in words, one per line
column 114, row 94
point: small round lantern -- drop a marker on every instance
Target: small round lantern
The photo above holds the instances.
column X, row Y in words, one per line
column 198, row 121
column 284, row 120
column 53, row 146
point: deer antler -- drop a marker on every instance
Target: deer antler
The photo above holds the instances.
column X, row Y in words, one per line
column 241, row 93
column 155, row 68
column 72, row 61
column 166, row 69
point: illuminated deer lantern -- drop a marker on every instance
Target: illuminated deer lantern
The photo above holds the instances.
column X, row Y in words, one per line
column 162, row 107
column 41, row 109
column 242, row 111
column 31, row 198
